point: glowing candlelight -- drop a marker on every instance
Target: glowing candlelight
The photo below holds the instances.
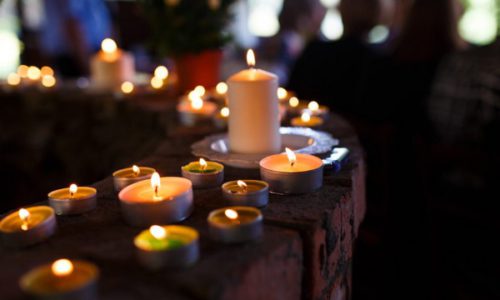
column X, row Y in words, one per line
column 108, row 45
column 221, row 88
column 313, row 106
column 199, row 90
column 306, row 116
column 197, row 103
column 155, row 184
column 73, row 188
column 47, row 71
column 156, row 82
column 158, row 232
column 62, row 267
column 293, row 102
column 127, row 87
column 22, row 71
column 231, row 214
column 24, row 215
column 161, row 72
column 242, row 185
column 250, row 58
column 292, row 158
column 203, row 164
column 33, row 73
column 13, row 79
column 282, row 93
column 224, row 112
column 136, row 170
column 48, row 81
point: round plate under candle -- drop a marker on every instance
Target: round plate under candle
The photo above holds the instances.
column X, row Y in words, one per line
column 301, row 140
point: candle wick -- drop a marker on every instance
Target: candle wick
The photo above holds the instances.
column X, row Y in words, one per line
column 156, row 192
column 71, row 194
column 292, row 163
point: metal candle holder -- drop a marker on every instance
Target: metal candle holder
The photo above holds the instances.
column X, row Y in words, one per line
column 256, row 195
column 238, row 232
column 72, row 206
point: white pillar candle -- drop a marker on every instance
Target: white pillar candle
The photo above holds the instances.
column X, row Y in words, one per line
column 254, row 121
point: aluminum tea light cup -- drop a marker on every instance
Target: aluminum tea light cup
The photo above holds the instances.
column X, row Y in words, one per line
column 170, row 246
column 235, row 224
column 246, row 193
column 204, row 174
column 307, row 120
column 162, row 200
column 194, row 109
column 62, row 280
column 28, row 226
column 292, row 173
column 127, row 176
column 73, row 200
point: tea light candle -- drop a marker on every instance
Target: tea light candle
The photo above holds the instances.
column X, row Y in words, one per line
column 204, row 174
column 235, row 224
column 254, row 122
column 127, row 176
column 162, row 200
column 246, row 192
column 221, row 118
column 316, row 109
column 195, row 109
column 292, row 173
column 306, row 120
column 63, row 279
column 111, row 66
column 28, row 226
column 73, row 200
column 167, row 246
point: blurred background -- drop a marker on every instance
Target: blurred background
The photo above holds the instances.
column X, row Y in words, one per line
column 418, row 79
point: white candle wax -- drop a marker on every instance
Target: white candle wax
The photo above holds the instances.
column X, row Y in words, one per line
column 254, row 120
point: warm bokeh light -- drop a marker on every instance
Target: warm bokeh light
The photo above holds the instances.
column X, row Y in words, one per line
column 108, row 45
column 156, row 82
column 306, row 116
column 250, row 58
column 161, row 72
column 62, row 267
column 127, row 87
column 231, row 214
column 199, row 90
column 46, row 70
column 33, row 73
column 203, row 164
column 293, row 102
column 332, row 27
column 156, row 183
column 291, row 156
column 263, row 21
column 224, row 112
column 197, row 103
column 48, row 81
column 221, row 88
column 479, row 23
column 136, row 170
column 158, row 232
column 313, row 106
column 73, row 188
column 22, row 71
column 13, row 79
column 282, row 93
column 24, row 214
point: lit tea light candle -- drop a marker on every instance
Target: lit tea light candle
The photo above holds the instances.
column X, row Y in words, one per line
column 306, row 120
column 63, row 279
column 195, row 109
column 28, row 226
column 171, row 246
column 292, row 173
column 316, row 109
column 221, row 118
column 293, row 102
column 254, row 123
column 204, row 174
column 73, row 200
column 111, row 66
column 161, row 72
column 127, row 176
column 235, row 224
column 246, row 192
column 162, row 200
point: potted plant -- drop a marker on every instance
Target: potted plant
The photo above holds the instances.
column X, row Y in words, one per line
column 192, row 32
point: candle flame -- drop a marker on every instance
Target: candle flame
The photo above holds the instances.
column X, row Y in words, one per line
column 199, row 90
column 282, row 93
column 158, row 232
column 136, row 170
column 294, row 102
column 62, row 267
column 291, row 156
column 203, row 164
column 108, row 45
column 306, row 116
column 24, row 215
column 231, row 214
column 224, row 112
column 161, row 72
column 250, row 58
column 73, row 188
column 221, row 88
column 313, row 106
column 242, row 185
column 127, row 87
column 155, row 184
column 197, row 103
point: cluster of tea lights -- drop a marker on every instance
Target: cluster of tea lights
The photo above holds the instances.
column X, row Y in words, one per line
column 150, row 201
column 32, row 75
